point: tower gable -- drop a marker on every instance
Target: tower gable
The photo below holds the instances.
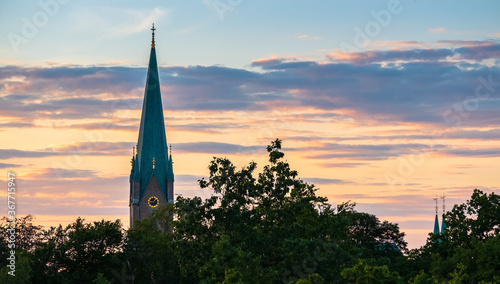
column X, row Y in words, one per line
column 152, row 190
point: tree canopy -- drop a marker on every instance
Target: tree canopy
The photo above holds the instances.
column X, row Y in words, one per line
column 265, row 227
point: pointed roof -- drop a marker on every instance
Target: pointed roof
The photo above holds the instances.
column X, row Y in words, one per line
column 170, row 173
column 436, row 225
column 436, row 221
column 443, row 225
column 152, row 143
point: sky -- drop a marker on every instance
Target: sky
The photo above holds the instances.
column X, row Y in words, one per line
column 384, row 103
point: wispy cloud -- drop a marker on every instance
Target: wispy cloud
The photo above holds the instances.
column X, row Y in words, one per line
column 124, row 23
column 325, row 180
column 306, row 36
column 8, row 166
column 438, row 30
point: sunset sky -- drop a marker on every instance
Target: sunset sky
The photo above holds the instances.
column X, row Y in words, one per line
column 384, row 103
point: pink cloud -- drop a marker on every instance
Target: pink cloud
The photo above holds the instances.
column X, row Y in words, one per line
column 438, row 30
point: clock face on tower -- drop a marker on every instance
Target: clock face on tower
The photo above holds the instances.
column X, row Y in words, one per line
column 153, row 201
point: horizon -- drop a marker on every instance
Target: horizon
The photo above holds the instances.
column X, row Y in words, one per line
column 373, row 103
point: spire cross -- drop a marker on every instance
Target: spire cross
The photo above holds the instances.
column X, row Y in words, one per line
column 443, row 197
column 436, row 199
column 133, row 155
column 171, row 153
column 153, row 41
column 153, row 163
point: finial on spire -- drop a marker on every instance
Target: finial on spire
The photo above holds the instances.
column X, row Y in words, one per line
column 436, row 199
column 153, row 41
column 154, row 163
column 443, row 197
column 171, row 154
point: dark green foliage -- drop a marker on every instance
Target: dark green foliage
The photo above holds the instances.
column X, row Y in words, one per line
column 478, row 219
column 363, row 273
column 150, row 252
column 469, row 251
column 75, row 254
column 267, row 227
column 259, row 229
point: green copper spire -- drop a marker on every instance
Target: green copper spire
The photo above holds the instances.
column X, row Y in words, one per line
column 436, row 226
column 170, row 173
column 436, row 221
column 443, row 224
column 152, row 153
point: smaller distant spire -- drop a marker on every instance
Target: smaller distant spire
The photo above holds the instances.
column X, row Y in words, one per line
column 171, row 153
column 436, row 221
column 153, row 41
column 443, row 224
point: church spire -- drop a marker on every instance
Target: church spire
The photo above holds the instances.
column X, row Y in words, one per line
column 436, row 221
column 152, row 158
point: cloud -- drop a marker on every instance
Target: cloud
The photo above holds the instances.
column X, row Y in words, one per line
column 325, row 180
column 489, row 51
column 17, row 124
column 491, row 134
column 216, row 148
column 370, row 152
column 96, row 148
column 306, row 36
column 126, row 21
column 205, row 127
column 7, row 166
column 438, row 30
column 483, row 153
column 64, row 174
column 104, row 126
column 70, row 192
column 341, row 165
column 14, row 153
column 415, row 85
column 80, row 148
column 368, row 57
column 468, row 50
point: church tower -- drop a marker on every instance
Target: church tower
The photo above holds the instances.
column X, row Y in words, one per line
column 152, row 176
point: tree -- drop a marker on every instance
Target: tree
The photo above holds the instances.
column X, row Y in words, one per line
column 469, row 251
column 28, row 235
column 363, row 273
column 150, row 253
column 259, row 229
column 478, row 218
column 372, row 237
column 267, row 227
column 79, row 252
column 23, row 272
